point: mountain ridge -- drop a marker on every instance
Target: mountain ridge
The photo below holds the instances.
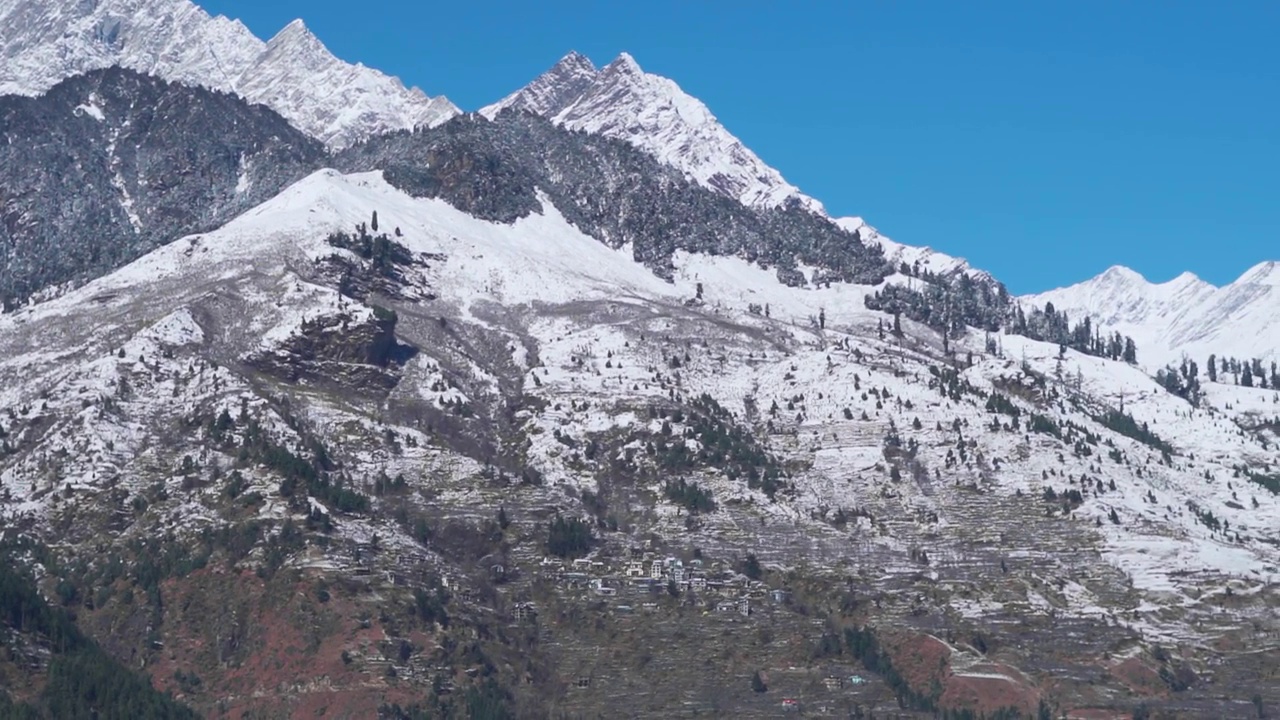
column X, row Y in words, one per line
column 179, row 41
column 1184, row 316
column 43, row 43
column 223, row 387
column 114, row 185
column 623, row 101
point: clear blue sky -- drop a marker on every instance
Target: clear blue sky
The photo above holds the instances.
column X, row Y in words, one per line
column 1043, row 141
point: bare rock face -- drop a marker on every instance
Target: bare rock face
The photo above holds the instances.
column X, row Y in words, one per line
column 351, row 351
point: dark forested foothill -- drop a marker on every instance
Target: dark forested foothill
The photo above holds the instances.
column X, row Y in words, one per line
column 82, row 681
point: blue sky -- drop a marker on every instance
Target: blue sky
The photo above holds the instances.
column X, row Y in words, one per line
column 1043, row 141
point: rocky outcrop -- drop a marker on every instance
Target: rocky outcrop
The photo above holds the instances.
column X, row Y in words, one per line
column 340, row 350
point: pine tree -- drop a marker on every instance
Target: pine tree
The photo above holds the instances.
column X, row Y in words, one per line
column 374, row 224
column 1213, row 368
column 1130, row 351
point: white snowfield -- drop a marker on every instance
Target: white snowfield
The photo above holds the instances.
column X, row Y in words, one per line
column 1184, row 317
column 541, row 267
column 43, row 42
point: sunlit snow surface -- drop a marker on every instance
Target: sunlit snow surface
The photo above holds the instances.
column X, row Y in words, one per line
column 1184, row 317
column 42, row 43
column 69, row 349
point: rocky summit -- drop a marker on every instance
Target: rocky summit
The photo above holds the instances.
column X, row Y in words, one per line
column 572, row 408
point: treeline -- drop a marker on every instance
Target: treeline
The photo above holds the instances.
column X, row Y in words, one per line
column 1126, row 425
column 314, row 475
column 952, row 303
column 690, row 496
column 1246, row 373
column 569, row 537
column 1052, row 325
column 608, row 189
column 1183, row 380
column 385, row 259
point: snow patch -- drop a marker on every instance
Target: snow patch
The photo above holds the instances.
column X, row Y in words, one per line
column 92, row 111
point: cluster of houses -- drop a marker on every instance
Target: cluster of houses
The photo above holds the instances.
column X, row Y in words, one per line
column 644, row 572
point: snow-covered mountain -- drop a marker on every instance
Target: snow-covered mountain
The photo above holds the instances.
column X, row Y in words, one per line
column 651, row 112
column 43, row 42
column 108, row 165
column 267, row 380
column 467, row 415
column 1185, row 316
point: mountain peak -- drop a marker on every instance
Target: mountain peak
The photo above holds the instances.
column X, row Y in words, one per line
column 296, row 35
column 295, row 30
column 625, row 63
column 576, row 62
column 652, row 113
column 1186, row 279
column 551, row 91
column 44, row 42
column 1184, row 316
column 1120, row 273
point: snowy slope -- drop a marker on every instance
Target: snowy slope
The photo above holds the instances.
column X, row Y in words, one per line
column 1184, row 316
column 541, row 266
column 896, row 253
column 654, row 114
column 556, row 339
column 43, row 42
column 623, row 101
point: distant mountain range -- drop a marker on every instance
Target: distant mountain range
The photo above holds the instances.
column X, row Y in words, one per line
column 1184, row 317
column 43, row 42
